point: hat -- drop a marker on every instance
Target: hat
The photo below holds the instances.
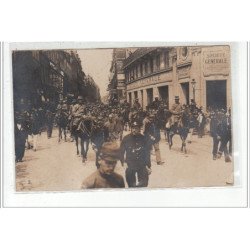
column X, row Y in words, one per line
column 135, row 124
column 110, row 151
column 176, row 97
column 79, row 97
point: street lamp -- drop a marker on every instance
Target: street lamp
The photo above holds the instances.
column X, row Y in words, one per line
column 193, row 82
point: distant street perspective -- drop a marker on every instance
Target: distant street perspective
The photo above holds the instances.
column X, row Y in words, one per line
column 156, row 117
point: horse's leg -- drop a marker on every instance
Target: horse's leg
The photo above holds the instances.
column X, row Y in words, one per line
column 65, row 134
column 87, row 148
column 82, row 149
column 59, row 133
column 77, row 149
column 170, row 143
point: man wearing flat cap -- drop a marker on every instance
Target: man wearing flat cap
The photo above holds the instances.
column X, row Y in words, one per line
column 136, row 149
column 105, row 177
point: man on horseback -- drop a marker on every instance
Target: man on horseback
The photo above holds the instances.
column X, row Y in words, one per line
column 176, row 111
column 78, row 112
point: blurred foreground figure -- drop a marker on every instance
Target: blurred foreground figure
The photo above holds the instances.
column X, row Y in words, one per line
column 105, row 177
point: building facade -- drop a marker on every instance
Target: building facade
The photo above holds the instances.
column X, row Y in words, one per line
column 116, row 87
column 202, row 73
column 48, row 76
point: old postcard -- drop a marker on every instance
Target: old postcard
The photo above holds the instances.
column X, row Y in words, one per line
column 131, row 117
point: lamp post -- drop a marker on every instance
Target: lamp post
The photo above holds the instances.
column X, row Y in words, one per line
column 193, row 82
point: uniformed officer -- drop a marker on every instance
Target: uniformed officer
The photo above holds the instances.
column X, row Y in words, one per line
column 105, row 177
column 135, row 146
column 176, row 109
column 78, row 111
column 136, row 105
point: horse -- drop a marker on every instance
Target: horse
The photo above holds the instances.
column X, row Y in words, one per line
column 83, row 132
column 180, row 127
column 62, row 123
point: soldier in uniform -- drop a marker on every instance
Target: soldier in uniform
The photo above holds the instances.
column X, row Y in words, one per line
column 136, row 105
column 137, row 151
column 176, row 110
column 105, row 177
column 78, row 112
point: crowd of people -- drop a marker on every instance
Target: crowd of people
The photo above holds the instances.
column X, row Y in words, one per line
column 107, row 127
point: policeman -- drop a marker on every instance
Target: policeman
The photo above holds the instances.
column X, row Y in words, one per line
column 135, row 146
column 105, row 177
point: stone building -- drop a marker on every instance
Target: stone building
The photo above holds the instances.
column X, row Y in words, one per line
column 116, row 87
column 49, row 75
column 201, row 73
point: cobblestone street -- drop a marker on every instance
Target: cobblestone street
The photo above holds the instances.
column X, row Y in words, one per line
column 56, row 167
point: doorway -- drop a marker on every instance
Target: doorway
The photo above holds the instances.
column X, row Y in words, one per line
column 149, row 96
column 185, row 92
column 164, row 94
column 216, row 94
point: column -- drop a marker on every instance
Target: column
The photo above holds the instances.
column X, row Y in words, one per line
column 145, row 101
column 155, row 92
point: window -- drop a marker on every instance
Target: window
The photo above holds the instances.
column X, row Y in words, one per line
column 141, row 69
column 151, row 65
column 146, row 68
column 158, row 61
column 166, row 59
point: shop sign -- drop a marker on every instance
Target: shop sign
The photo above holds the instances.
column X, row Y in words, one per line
column 216, row 61
column 167, row 76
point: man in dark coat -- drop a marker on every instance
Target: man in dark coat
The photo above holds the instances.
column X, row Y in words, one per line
column 134, row 145
column 105, row 177
column 151, row 130
column 21, row 135
column 214, row 124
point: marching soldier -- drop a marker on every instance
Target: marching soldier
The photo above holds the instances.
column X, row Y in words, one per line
column 105, row 177
column 135, row 146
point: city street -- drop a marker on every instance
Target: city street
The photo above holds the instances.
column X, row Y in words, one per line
column 56, row 167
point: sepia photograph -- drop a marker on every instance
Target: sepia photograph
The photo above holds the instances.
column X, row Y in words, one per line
column 128, row 118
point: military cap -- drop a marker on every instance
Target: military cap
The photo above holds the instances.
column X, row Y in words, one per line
column 110, row 151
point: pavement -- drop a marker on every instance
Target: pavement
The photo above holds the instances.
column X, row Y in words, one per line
column 56, row 167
